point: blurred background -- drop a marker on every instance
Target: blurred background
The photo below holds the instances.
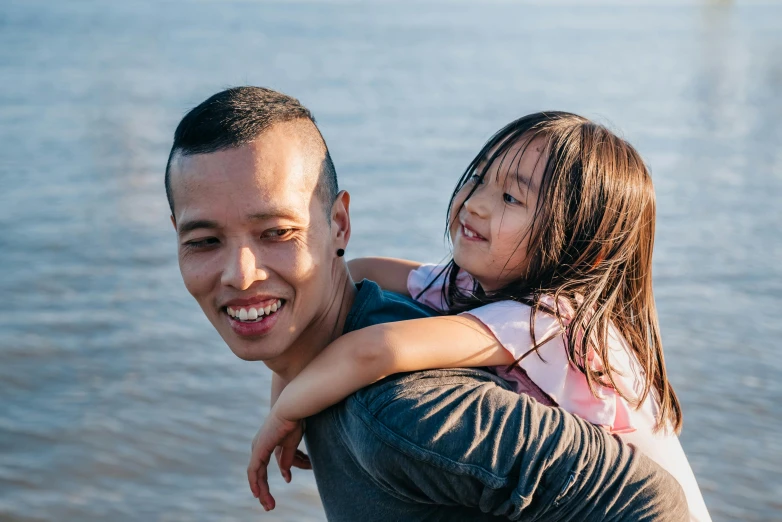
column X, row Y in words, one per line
column 118, row 401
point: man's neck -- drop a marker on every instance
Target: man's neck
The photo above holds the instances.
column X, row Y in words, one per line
column 326, row 327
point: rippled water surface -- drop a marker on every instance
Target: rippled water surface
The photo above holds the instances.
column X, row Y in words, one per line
column 117, row 399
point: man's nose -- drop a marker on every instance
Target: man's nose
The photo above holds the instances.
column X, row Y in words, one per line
column 243, row 269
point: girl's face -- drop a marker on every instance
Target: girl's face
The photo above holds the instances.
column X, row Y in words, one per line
column 490, row 229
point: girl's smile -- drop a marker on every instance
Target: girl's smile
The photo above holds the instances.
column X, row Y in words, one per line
column 470, row 234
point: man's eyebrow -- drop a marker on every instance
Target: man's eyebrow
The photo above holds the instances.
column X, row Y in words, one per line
column 189, row 226
column 263, row 216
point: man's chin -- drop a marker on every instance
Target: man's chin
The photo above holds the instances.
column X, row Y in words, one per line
column 257, row 350
column 261, row 348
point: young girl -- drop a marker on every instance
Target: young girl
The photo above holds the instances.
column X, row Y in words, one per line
column 550, row 284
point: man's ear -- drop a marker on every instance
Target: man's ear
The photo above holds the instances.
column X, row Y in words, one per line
column 173, row 221
column 340, row 220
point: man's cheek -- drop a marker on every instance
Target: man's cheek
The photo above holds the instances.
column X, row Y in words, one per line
column 297, row 261
column 192, row 282
column 194, row 275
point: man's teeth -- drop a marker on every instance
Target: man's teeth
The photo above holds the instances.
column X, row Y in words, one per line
column 254, row 314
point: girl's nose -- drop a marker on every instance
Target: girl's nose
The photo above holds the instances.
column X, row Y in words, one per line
column 477, row 204
column 242, row 270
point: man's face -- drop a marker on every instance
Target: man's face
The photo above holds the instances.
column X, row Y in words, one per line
column 255, row 246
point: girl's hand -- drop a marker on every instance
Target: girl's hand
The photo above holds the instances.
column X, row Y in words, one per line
column 275, row 432
column 299, row 460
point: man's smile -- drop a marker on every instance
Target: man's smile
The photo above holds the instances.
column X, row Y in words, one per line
column 254, row 316
column 254, row 311
column 242, row 324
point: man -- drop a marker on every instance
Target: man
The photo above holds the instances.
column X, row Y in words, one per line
column 262, row 229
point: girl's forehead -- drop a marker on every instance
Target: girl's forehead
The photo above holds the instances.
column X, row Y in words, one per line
column 524, row 161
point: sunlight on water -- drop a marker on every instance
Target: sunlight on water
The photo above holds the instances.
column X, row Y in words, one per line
column 118, row 400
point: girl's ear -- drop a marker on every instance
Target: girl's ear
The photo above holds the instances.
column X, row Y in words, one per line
column 340, row 220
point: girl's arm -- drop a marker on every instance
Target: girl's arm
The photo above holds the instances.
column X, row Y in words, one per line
column 278, row 384
column 391, row 274
column 362, row 357
column 358, row 359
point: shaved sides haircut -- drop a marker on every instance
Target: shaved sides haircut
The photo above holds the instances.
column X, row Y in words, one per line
column 237, row 116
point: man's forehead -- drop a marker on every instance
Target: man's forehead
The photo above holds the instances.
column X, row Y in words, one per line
column 268, row 157
column 240, row 184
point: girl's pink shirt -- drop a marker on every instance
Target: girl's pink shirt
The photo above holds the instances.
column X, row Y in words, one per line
column 551, row 371
column 549, row 368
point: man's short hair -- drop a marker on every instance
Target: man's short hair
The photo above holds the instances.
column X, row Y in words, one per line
column 237, row 116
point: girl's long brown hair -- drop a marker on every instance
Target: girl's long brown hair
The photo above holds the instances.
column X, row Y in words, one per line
column 590, row 244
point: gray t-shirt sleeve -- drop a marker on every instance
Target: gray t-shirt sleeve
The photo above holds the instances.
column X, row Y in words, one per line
column 461, row 438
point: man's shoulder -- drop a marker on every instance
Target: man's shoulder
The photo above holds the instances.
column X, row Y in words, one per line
column 374, row 305
column 403, row 307
column 427, row 386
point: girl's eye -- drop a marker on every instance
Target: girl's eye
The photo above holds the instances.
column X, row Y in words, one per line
column 510, row 199
column 475, row 178
column 203, row 243
column 277, row 233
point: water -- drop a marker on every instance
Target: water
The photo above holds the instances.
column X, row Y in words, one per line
column 117, row 399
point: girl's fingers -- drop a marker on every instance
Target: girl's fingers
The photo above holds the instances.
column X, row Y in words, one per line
column 277, row 454
column 258, row 479
column 278, row 451
column 286, row 459
column 285, row 452
column 266, row 499
column 301, row 460
column 252, row 479
column 264, row 495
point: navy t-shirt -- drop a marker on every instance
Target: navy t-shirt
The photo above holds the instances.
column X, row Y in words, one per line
column 376, row 306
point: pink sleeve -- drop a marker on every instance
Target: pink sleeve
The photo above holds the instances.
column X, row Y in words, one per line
column 550, row 368
column 422, row 276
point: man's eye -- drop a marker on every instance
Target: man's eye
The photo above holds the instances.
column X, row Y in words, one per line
column 510, row 199
column 277, row 233
column 202, row 243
